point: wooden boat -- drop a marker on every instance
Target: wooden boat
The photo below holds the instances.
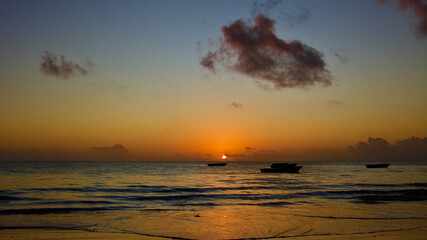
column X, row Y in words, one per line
column 381, row 165
column 216, row 164
column 293, row 169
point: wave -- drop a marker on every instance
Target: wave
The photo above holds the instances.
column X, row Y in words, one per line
column 362, row 218
column 41, row 211
column 214, row 197
column 6, row 198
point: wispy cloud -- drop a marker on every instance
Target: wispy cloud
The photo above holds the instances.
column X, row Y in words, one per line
column 263, row 7
column 299, row 15
column 236, row 155
column 339, row 54
column 334, row 102
column 114, row 150
column 207, row 23
column 236, row 105
column 253, row 49
column 59, row 67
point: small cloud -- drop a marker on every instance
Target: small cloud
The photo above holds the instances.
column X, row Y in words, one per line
column 114, row 150
column 236, row 105
column 334, row 102
column 199, row 47
column 338, row 53
column 178, row 154
column 250, row 149
column 207, row 23
column 266, row 151
column 59, row 67
column 236, row 155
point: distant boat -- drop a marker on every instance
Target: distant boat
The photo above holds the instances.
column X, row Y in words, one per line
column 381, row 165
column 281, row 165
column 216, row 164
column 282, row 168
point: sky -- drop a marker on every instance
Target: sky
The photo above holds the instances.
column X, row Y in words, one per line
column 136, row 77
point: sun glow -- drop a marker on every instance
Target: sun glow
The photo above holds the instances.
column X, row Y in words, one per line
column 223, row 156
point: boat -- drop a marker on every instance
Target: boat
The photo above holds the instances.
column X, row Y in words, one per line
column 280, row 165
column 282, row 168
column 380, row 165
column 216, row 164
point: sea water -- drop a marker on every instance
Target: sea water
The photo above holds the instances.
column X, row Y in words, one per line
column 190, row 200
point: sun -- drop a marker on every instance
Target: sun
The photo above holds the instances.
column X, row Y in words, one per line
column 223, row 156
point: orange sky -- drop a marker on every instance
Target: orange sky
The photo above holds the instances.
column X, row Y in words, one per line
column 149, row 93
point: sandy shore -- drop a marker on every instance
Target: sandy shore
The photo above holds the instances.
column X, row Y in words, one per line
column 47, row 234
column 50, row 234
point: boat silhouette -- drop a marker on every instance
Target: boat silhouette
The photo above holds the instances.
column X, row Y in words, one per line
column 380, row 165
column 216, row 164
column 282, row 168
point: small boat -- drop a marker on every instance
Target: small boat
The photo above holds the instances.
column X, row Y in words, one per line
column 281, row 165
column 282, row 168
column 216, row 164
column 380, row 165
column 294, row 169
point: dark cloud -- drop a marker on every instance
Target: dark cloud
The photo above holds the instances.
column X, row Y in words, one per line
column 250, row 149
column 59, row 67
column 253, row 49
column 379, row 149
column 208, row 61
column 334, row 102
column 114, row 150
column 372, row 145
column 412, row 142
column 338, row 53
column 417, row 8
column 236, row 105
column 412, row 148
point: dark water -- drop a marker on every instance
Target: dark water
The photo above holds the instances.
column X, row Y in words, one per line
column 128, row 189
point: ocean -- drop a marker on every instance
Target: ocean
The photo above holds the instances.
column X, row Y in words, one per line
column 189, row 200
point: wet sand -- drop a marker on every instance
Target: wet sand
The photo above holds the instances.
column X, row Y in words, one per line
column 224, row 223
column 49, row 234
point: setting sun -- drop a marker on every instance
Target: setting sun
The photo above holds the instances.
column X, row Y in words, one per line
column 223, row 156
